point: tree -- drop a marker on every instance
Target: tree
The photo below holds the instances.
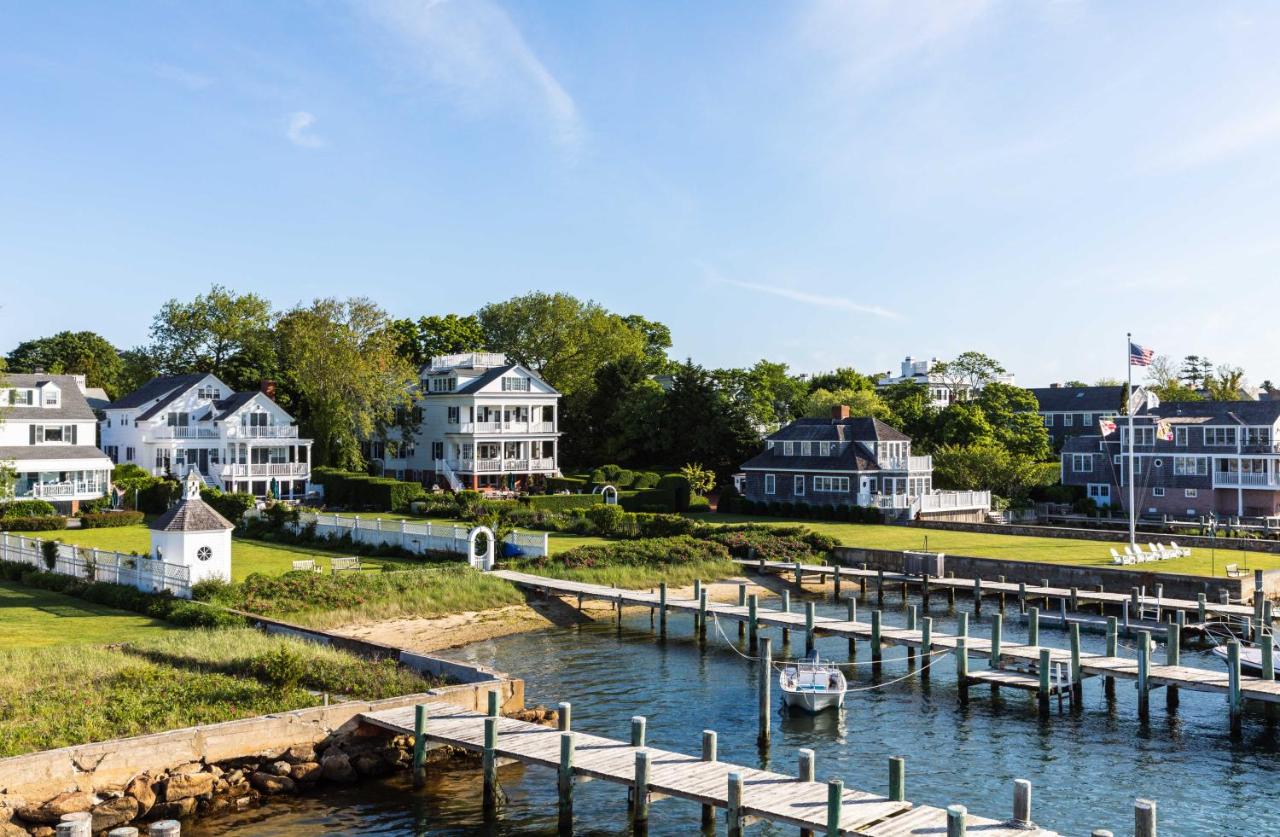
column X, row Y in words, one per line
column 1225, row 384
column 341, row 357
column 72, row 353
column 435, row 334
column 990, row 466
column 700, row 479
column 1165, row 381
column 819, row 403
column 657, row 339
column 699, row 422
column 913, row 412
column 970, row 371
column 137, row 366
column 222, row 332
column 1012, row 413
column 1108, row 382
column 842, row 378
column 607, row 428
column 962, row 424
column 1073, row 384
column 1196, row 370
column 768, row 391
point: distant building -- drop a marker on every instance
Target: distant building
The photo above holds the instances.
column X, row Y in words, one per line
column 1073, row 411
column 48, row 436
column 924, row 373
column 477, row 422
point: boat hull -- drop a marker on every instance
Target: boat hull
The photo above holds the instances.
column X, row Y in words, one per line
column 1250, row 660
column 812, row 702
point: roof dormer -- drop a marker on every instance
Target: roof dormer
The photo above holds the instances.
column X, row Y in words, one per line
column 49, row 394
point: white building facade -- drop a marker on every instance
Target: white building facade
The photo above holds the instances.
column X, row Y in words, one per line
column 237, row 441
column 478, row 422
column 47, row 435
column 942, row 391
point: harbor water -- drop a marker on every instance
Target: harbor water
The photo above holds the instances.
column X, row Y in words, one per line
column 1086, row 766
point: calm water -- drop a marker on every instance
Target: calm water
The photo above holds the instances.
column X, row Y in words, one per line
column 1086, row 767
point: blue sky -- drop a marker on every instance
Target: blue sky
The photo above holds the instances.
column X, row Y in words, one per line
column 820, row 183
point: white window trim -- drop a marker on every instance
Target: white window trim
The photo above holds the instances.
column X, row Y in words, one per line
column 1191, row 492
column 797, row 485
column 1158, row 491
column 770, row 484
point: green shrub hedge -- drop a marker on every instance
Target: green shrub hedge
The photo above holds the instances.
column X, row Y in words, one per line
column 362, row 492
column 27, row 508
column 107, row 520
column 32, row 524
column 563, row 502
column 640, row 553
column 574, row 484
column 774, row 543
column 842, row 512
column 231, row 505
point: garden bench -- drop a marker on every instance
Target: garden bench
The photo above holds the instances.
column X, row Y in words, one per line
column 344, row 564
column 1233, row 570
column 307, row 566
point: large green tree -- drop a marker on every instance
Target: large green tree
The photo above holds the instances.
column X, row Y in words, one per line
column 341, row 358
column 657, row 340
column 988, row 465
column 768, row 391
column 968, row 372
column 913, row 412
column 1012, row 413
column 842, row 378
column 438, row 334
column 861, row 402
column 72, row 353
column 700, row 422
column 223, row 332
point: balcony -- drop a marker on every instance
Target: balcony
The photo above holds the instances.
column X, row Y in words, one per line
column 482, row 427
column 68, row 490
column 264, row 469
column 496, row 466
column 908, row 463
column 1238, row 479
column 190, row 432
column 275, row 431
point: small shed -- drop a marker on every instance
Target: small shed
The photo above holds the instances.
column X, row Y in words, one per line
column 194, row 535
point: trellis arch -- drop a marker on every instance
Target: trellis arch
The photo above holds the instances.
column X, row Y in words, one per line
column 610, row 495
column 484, row 561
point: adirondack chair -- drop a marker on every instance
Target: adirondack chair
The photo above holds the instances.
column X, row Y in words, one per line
column 1182, row 551
column 1116, row 557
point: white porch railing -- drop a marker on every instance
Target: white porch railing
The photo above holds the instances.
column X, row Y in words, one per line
column 920, row 463
column 266, row 469
column 891, row 501
column 418, row 538
column 489, row 466
column 958, row 500
column 1244, row 479
column 68, row 490
column 140, row 571
column 443, row 467
column 239, row 431
column 506, row 427
column 191, row 432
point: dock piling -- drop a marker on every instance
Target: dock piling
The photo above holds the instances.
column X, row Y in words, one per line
column 1033, row 626
column 638, row 724
column 493, row 704
column 1022, row 596
column 1233, row 685
column 419, row 745
column 1077, row 683
column 164, row 828
column 808, row 628
column 640, row 802
column 1113, row 639
column 742, row 602
column 1000, row 579
column 766, row 703
column 835, row 804
column 702, row 616
column 1043, row 693
column 926, row 646
column 911, row 626
column 835, row 579
column 880, row 587
column 962, row 668
column 708, row 754
column 799, row 576
column 753, row 621
column 977, row 595
column 1144, row 818
column 997, row 627
column 875, row 641
column 1144, row 670
column 1172, row 657
column 786, row 608
column 79, row 824
column 1201, row 602
column 662, row 610
column 957, row 816
column 564, row 715
column 1075, row 599
column 490, row 761
column 564, row 783
column 851, row 612
column 897, row 779
column 733, row 810
column 1022, row 803
column 805, row 773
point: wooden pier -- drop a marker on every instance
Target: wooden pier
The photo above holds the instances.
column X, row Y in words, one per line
column 744, row 793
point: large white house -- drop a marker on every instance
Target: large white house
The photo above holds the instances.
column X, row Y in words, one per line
column 238, row 441
column 47, row 434
column 477, row 422
column 942, row 391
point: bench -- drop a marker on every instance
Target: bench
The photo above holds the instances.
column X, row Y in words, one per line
column 1233, row 570
column 307, row 566
column 338, row 564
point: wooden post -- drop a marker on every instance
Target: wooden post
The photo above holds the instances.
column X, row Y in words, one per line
column 897, row 779
column 702, row 615
column 1062, row 612
column 957, row 816
column 564, row 716
column 753, row 621
column 962, row 624
column 1022, row 803
column 786, row 608
column 977, row 595
column 662, row 609
column 862, row 582
column 1109, row 682
column 697, row 589
column 123, row 831
column 911, row 626
column 1033, row 626
column 79, row 824
column 1144, row 670
column 962, row 668
column 951, row 590
column 419, row 745
column 1022, row 596
column 493, row 703
column 799, row 576
column 835, row 802
column 805, row 773
column 1075, row 599
column 1077, row 686
column 926, row 646
column 1000, row 579
column 708, row 754
column 638, row 723
column 1268, row 659
column 835, row 579
column 564, row 783
column 1043, row 693
column 808, row 628
column 851, row 608
column 734, row 804
column 1233, row 685
column 1172, row 657
column 490, row 762
column 924, row 591
column 1144, row 818
column 640, row 806
column 1201, row 602
column 766, row 703
column 879, row 587
column 997, row 627
column 875, row 641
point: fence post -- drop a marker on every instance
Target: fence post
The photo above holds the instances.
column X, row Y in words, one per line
column 835, row 804
column 733, row 805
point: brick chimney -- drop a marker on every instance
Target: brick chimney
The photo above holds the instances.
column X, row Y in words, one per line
column 840, row 412
column 268, row 388
column 1055, row 386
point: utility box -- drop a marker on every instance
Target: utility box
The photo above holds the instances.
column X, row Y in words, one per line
column 924, row 563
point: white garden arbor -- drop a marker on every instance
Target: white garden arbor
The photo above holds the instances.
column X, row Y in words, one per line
column 609, row 493
column 483, row 561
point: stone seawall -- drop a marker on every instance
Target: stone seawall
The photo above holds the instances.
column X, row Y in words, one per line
column 1113, row 535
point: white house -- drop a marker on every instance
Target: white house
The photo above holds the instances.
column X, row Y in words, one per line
column 238, row 441
column 941, row 391
column 478, row 422
column 47, row 432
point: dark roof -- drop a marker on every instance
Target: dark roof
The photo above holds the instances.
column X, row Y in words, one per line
column 165, row 385
column 194, row 515
column 861, row 429
column 72, row 404
column 51, row 452
column 850, row 459
column 1079, row 399
column 480, row 381
column 96, row 398
column 233, row 402
column 1250, row 412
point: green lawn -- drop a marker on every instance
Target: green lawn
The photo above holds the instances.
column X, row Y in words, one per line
column 39, row 618
column 1012, row 547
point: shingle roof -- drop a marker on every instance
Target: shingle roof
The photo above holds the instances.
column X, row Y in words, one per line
column 22, row 452
column 1079, row 399
column 233, row 402
column 1251, row 412
column 96, row 398
column 861, row 429
column 849, row 460
column 170, row 385
column 480, row 381
column 72, row 404
column 193, row 515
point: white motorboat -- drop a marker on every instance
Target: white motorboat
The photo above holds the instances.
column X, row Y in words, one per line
column 1250, row 653
column 812, row 686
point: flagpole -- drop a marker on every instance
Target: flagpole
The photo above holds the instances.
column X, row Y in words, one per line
column 1133, row 520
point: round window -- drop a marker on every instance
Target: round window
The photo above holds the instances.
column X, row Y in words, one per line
column 204, row 553
column 1159, row 463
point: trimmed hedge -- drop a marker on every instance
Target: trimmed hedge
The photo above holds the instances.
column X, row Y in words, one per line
column 32, row 524
column 574, row 484
column 108, row 520
column 842, row 512
column 362, row 492
column 231, row 505
column 27, row 508
column 563, row 502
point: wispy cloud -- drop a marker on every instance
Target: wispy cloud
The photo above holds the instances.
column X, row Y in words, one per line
column 475, row 50
column 838, row 303
column 1227, row 139
column 299, row 130
column 182, row 76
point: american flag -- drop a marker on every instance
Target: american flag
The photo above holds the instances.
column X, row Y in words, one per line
column 1140, row 355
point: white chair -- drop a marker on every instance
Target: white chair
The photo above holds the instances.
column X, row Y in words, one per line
column 1180, row 550
column 1116, row 557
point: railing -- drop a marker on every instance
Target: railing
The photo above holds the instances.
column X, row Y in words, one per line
column 908, row 463
column 891, row 501
column 1234, row 479
column 946, row 500
column 483, row 466
column 191, row 432
column 68, row 490
column 468, row 359
column 140, row 571
column 273, row 431
column 506, row 427
column 265, row 469
column 415, row 537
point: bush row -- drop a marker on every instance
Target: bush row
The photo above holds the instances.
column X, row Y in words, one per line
column 774, row 543
column 107, row 520
column 358, row 491
column 620, row 477
column 653, row 552
column 27, row 508
column 842, row 513
column 32, row 524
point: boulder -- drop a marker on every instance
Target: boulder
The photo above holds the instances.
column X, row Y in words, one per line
column 141, row 790
column 113, row 812
column 174, row 810
column 308, row 771
column 278, row 768
column 9, row 829
column 189, row 767
column 299, row 753
column 271, row 783
column 369, row 764
column 336, row 767
column 183, row 786
column 50, row 811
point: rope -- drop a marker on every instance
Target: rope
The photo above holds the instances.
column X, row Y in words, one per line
column 936, row 657
column 780, row 664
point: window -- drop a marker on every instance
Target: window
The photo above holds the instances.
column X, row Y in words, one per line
column 209, row 392
column 1082, row 462
column 1141, row 435
column 1048, row 419
column 769, row 483
column 768, row 445
column 51, row 398
column 20, row 397
column 1068, row 419
column 1086, row 419
column 788, row 448
column 437, row 450
column 831, row 485
column 1260, row 436
column 1190, row 466
column 1115, row 460
column 1180, row 436
column 55, row 434
column 453, row 415
column 113, row 453
column 1157, row 492
column 178, row 419
column 204, row 553
column 444, row 384
column 797, row 485
column 128, row 454
column 515, row 384
column 1220, row 436
column 1190, row 492
column 806, row 449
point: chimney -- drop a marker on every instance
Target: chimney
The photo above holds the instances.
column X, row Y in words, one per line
column 840, row 412
column 1055, row 386
column 268, row 388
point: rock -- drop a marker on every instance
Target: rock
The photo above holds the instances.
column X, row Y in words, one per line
column 9, row 829
column 368, row 764
column 43, row 831
column 278, row 768
column 243, row 802
column 174, row 810
column 51, row 811
column 308, row 771
column 188, row 786
column 299, row 753
column 235, row 777
column 216, row 770
column 218, row 805
column 113, row 812
column 336, row 767
column 141, row 790
column 189, row 768
column 271, row 783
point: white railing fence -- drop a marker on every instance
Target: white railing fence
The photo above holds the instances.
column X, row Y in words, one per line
column 945, row 500
column 418, row 538
column 139, row 571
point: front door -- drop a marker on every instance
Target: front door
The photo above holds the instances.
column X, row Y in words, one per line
column 204, row 461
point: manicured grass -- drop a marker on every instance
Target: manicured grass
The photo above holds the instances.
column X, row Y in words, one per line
column 641, row 578
column 39, row 618
column 62, row 695
column 1012, row 547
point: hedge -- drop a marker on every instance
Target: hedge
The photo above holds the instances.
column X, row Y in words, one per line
column 27, row 508
column 231, row 505
column 574, row 484
column 563, row 502
column 641, row 553
column 108, row 520
column 32, row 524
column 362, row 492
column 843, row 513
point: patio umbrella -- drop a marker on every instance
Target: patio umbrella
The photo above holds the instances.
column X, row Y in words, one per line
column 275, row 489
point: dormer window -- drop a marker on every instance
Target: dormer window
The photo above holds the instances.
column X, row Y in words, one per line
column 444, row 384
column 51, row 397
column 20, row 397
column 208, row 392
column 788, row 448
column 515, row 384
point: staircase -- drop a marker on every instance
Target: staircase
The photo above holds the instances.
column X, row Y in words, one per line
column 442, row 467
column 994, row 516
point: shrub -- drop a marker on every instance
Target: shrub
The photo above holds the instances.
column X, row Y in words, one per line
column 652, row 552
column 645, row 479
column 598, row 477
column 27, row 508
column 108, row 520
column 281, row 667
column 573, row 484
column 232, row 506
column 607, row 519
column 156, row 496
column 563, row 502
column 680, row 490
column 774, row 543
column 699, row 504
column 32, row 524
column 730, row 501
column 49, row 552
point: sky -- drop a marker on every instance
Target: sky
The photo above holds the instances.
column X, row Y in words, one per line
column 825, row 184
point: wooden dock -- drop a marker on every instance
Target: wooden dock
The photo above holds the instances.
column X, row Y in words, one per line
column 743, row 792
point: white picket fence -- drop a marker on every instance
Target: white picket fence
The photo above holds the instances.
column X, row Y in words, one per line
column 417, row 538
column 140, row 571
